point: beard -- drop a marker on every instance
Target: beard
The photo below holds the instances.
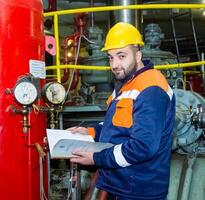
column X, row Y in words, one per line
column 124, row 72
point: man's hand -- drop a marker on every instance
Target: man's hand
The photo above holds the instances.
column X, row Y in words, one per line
column 84, row 158
column 78, row 129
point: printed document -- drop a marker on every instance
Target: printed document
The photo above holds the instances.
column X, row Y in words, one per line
column 62, row 143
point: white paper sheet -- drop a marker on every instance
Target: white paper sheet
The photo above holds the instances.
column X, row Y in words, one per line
column 62, row 143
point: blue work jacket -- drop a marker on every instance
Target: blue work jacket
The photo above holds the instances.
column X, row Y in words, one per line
column 139, row 122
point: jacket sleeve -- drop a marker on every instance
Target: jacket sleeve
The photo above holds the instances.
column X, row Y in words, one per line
column 149, row 121
column 95, row 131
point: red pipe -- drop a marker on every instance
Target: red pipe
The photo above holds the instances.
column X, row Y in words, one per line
column 80, row 24
column 21, row 28
column 52, row 6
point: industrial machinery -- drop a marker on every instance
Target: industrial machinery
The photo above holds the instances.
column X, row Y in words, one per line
column 188, row 147
column 153, row 37
column 189, row 125
column 89, row 108
column 29, row 104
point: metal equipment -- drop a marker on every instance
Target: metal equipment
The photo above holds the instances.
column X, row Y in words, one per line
column 152, row 51
column 130, row 16
column 96, row 85
column 54, row 93
column 189, row 125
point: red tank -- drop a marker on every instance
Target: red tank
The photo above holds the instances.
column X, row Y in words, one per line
column 21, row 39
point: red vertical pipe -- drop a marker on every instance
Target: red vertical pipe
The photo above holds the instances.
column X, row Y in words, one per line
column 21, row 39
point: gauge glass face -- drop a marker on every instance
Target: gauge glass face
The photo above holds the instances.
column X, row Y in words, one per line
column 25, row 93
column 55, row 93
column 168, row 74
column 174, row 74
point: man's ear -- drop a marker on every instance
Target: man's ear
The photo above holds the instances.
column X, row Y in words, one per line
column 138, row 56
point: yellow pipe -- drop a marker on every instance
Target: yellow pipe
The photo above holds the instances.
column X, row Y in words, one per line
column 50, row 75
column 111, row 8
column 191, row 72
column 88, row 67
column 108, row 8
column 180, row 65
column 84, row 67
column 57, row 47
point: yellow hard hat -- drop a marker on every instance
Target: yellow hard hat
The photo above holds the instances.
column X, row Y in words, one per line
column 121, row 35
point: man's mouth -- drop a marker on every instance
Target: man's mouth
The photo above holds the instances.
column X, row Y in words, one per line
column 117, row 71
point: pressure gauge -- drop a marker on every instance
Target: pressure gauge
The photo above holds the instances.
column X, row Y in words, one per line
column 174, row 74
column 25, row 92
column 168, row 74
column 54, row 93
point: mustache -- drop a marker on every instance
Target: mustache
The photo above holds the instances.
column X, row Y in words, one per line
column 118, row 70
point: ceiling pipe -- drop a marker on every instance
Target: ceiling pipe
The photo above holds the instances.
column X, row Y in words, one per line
column 52, row 6
column 91, row 14
column 130, row 16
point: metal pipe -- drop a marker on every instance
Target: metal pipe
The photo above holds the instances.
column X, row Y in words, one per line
column 188, row 178
column 203, row 70
column 91, row 14
column 56, row 33
column 85, row 67
column 30, row 167
column 139, row 7
column 138, row 17
column 106, row 8
column 88, row 67
column 75, row 182
column 102, row 68
column 52, row 6
column 125, row 15
column 180, row 65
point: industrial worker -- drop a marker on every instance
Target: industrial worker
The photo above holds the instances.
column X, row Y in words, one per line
column 139, row 122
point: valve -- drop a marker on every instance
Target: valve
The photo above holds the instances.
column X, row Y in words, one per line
column 198, row 117
column 24, row 112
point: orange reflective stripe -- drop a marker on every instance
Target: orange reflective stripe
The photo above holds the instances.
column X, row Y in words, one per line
column 109, row 100
column 147, row 79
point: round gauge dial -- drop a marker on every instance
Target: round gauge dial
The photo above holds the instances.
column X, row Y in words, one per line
column 25, row 93
column 54, row 93
column 168, row 74
column 174, row 74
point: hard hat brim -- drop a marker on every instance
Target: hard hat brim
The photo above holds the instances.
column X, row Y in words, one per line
column 120, row 46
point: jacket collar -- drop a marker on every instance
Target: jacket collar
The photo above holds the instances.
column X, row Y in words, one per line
column 147, row 66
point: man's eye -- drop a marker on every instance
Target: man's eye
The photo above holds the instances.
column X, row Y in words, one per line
column 110, row 59
column 121, row 57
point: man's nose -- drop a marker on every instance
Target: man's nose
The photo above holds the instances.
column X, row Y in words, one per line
column 115, row 64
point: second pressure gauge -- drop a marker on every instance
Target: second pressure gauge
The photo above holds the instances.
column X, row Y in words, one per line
column 54, row 93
